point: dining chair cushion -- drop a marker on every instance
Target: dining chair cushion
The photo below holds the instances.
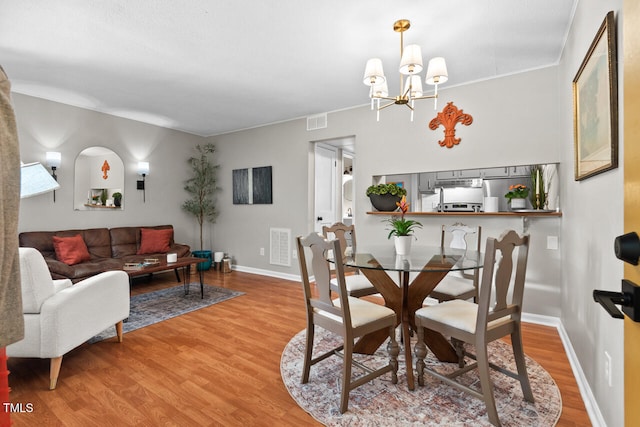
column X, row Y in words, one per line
column 362, row 312
column 455, row 285
column 354, row 282
column 457, row 313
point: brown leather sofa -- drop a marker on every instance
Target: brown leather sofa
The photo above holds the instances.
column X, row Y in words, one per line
column 109, row 249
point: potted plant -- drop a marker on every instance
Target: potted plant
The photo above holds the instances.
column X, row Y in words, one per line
column 402, row 229
column 201, row 188
column 384, row 197
column 517, row 196
column 117, row 199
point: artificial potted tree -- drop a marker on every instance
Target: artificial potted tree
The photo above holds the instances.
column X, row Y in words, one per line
column 201, row 188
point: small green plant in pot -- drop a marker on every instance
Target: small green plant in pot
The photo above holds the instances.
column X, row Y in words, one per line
column 117, row 199
column 402, row 226
column 517, row 196
column 384, row 197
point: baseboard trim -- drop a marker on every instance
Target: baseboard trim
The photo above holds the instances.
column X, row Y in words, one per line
column 588, row 398
column 268, row 273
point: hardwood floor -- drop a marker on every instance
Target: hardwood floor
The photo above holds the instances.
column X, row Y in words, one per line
column 218, row 366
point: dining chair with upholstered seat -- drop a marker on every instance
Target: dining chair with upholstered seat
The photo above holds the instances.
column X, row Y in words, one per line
column 346, row 316
column 357, row 284
column 462, row 284
column 480, row 323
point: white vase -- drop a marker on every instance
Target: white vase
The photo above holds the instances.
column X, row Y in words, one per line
column 403, row 244
column 518, row 203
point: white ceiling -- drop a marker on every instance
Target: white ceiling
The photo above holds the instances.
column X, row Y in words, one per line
column 213, row 66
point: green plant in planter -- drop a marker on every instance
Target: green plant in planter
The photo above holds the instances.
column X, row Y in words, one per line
column 401, row 226
column 381, row 189
column 117, row 198
column 517, row 191
column 201, row 187
column 103, row 197
column 384, row 197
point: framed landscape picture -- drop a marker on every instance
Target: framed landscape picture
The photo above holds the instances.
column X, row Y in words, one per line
column 595, row 105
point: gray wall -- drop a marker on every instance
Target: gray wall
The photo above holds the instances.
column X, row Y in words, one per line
column 519, row 119
column 48, row 126
column 593, row 216
column 505, row 131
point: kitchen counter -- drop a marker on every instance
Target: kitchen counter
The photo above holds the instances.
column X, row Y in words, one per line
column 531, row 213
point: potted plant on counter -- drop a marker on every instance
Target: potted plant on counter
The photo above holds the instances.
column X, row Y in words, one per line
column 385, row 197
column 402, row 229
column 517, row 196
column 201, row 188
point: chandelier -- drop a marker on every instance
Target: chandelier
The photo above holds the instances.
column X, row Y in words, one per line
column 410, row 81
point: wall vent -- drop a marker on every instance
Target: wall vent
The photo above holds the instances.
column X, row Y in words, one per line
column 280, row 245
column 319, row 121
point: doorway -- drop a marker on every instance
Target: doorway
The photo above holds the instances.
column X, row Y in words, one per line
column 334, row 166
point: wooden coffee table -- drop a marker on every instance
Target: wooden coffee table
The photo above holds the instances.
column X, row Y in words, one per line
column 185, row 263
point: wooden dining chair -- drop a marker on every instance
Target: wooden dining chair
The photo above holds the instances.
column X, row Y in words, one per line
column 346, row 316
column 357, row 284
column 480, row 323
column 462, row 284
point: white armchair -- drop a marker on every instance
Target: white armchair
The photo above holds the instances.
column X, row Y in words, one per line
column 59, row 316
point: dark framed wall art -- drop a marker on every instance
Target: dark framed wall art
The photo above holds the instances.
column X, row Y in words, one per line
column 595, row 105
column 252, row 186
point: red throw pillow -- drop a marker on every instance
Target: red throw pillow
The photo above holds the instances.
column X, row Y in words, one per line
column 154, row 241
column 71, row 250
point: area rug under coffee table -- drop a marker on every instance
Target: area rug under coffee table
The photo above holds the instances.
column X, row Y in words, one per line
column 381, row 403
column 153, row 307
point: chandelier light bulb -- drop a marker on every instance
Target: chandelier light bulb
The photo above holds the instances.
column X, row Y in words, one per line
column 411, row 62
column 436, row 71
column 373, row 73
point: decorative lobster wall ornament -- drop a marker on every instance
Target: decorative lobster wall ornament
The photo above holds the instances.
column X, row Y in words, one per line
column 448, row 118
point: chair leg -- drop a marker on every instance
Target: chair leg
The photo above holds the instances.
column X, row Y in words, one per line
column 518, row 355
column 485, row 383
column 421, row 353
column 54, row 371
column 393, row 349
column 346, row 376
column 459, row 348
column 308, row 352
column 119, row 330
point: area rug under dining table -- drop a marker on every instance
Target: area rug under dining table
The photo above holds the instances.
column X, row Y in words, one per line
column 381, row 403
column 153, row 307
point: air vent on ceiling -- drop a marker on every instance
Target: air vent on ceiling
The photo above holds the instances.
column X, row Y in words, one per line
column 319, row 121
column 280, row 245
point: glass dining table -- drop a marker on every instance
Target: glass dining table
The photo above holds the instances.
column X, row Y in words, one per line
column 417, row 275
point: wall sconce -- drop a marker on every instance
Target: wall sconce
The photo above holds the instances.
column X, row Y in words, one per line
column 35, row 180
column 53, row 159
column 143, row 169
